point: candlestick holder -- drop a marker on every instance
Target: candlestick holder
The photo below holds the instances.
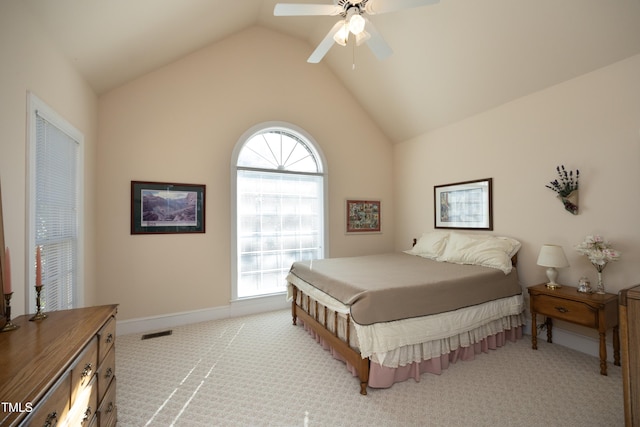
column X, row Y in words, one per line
column 39, row 313
column 9, row 326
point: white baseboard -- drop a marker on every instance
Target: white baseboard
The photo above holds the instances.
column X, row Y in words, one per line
column 236, row 308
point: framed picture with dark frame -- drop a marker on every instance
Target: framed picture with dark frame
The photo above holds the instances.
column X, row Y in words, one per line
column 363, row 216
column 464, row 205
column 165, row 208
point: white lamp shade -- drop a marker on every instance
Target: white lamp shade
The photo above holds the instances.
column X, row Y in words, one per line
column 552, row 256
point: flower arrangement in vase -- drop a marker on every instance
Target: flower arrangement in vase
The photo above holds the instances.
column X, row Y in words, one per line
column 600, row 253
column 567, row 188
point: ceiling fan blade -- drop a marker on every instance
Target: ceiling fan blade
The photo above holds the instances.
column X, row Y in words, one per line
column 376, row 43
column 325, row 44
column 291, row 9
column 383, row 6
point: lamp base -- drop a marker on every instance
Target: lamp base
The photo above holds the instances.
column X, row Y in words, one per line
column 553, row 286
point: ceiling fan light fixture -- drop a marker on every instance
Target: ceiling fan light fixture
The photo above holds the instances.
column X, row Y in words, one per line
column 356, row 24
column 362, row 37
column 342, row 36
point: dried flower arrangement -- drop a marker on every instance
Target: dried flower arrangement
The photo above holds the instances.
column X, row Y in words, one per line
column 567, row 188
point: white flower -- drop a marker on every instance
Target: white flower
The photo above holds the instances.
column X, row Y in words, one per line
column 598, row 250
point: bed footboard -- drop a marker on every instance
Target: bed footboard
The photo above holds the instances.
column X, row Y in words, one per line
column 311, row 318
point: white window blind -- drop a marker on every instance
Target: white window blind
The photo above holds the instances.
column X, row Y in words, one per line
column 56, row 212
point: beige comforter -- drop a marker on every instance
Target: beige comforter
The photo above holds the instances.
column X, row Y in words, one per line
column 394, row 286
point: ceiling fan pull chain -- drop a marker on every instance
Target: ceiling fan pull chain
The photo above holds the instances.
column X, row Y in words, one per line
column 353, row 55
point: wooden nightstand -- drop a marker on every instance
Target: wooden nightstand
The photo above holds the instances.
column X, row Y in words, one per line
column 566, row 303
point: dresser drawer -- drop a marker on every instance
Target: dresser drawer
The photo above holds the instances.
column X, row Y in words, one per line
column 106, row 372
column 84, row 410
column 83, row 369
column 107, row 412
column 54, row 407
column 561, row 309
column 106, row 337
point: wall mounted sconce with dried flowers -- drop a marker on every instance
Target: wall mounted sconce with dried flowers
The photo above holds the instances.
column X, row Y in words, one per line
column 567, row 188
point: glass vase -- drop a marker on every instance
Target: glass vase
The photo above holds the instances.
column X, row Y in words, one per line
column 600, row 288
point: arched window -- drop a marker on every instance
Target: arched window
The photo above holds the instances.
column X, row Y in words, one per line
column 279, row 206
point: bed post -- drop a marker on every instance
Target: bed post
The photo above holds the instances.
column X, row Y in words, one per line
column 293, row 305
column 363, row 373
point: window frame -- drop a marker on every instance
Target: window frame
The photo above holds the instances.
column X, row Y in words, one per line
column 322, row 167
column 35, row 104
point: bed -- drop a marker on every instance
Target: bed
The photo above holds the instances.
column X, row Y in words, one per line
column 395, row 316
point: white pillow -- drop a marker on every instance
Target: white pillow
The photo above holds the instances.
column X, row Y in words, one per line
column 487, row 251
column 430, row 245
column 515, row 245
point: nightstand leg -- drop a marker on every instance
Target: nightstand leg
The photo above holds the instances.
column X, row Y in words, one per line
column 549, row 323
column 534, row 332
column 603, row 353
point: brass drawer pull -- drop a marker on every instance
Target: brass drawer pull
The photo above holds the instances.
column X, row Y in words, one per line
column 562, row 309
column 87, row 414
column 87, row 370
column 109, row 339
column 109, row 373
column 110, row 408
column 52, row 419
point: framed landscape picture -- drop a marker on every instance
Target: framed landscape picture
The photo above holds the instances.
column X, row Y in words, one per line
column 464, row 205
column 363, row 216
column 162, row 208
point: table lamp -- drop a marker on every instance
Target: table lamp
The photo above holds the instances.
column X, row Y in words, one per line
column 552, row 257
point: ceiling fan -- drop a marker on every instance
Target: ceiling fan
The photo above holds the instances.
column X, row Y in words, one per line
column 352, row 22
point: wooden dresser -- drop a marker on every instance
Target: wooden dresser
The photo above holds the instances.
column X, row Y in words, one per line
column 630, row 335
column 60, row 370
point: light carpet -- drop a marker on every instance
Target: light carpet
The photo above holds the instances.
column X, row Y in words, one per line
column 260, row 370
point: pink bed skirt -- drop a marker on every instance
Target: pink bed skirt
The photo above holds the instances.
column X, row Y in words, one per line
column 384, row 377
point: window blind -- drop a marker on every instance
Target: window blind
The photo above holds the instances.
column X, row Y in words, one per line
column 56, row 213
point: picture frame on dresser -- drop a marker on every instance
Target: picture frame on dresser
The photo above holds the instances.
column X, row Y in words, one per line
column 464, row 205
column 167, row 208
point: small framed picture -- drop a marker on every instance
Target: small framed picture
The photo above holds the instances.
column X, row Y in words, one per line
column 164, row 208
column 363, row 216
column 464, row 205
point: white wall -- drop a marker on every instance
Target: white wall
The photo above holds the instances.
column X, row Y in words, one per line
column 180, row 124
column 591, row 123
column 29, row 62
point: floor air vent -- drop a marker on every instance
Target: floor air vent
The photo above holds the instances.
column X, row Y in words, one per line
column 157, row 334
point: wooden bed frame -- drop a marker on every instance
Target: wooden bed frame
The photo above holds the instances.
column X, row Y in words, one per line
column 343, row 347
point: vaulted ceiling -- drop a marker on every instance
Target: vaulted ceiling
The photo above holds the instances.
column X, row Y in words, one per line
column 451, row 60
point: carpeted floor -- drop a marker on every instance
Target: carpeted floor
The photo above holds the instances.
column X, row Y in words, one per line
column 260, row 370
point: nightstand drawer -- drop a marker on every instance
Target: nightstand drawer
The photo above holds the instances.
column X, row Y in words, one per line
column 561, row 309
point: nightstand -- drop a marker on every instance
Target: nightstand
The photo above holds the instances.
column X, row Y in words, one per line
column 595, row 311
